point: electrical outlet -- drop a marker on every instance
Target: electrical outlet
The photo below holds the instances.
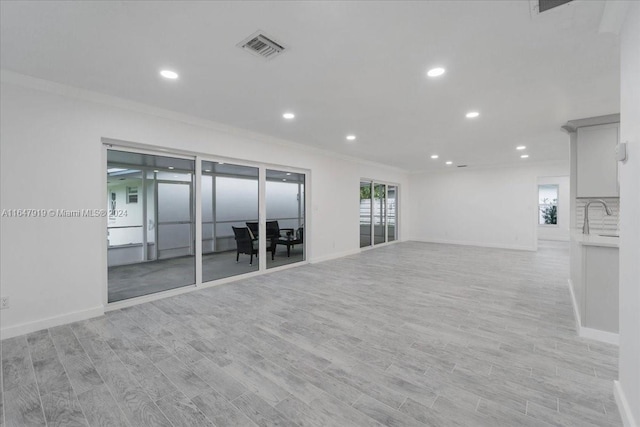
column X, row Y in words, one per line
column 4, row 303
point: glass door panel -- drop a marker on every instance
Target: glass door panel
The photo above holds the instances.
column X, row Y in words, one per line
column 125, row 227
column 379, row 213
column 392, row 217
column 285, row 229
column 150, row 226
column 229, row 211
column 365, row 213
column 151, row 223
column 174, row 220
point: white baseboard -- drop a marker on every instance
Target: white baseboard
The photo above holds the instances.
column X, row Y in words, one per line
column 584, row 332
column 472, row 243
column 598, row 335
column 26, row 328
column 623, row 406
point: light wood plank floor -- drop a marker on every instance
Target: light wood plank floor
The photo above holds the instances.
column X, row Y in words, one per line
column 411, row 334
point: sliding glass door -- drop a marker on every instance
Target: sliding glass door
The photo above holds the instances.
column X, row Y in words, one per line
column 365, row 213
column 378, row 213
column 150, row 229
column 154, row 242
column 229, row 220
column 392, row 229
column 285, row 206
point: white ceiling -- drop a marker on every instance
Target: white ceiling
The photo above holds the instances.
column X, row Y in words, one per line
column 351, row 67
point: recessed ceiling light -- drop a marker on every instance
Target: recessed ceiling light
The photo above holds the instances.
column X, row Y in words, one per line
column 434, row 156
column 351, row 137
column 207, row 170
column 289, row 116
column 520, row 147
column 168, row 74
column 288, row 173
column 448, row 163
column 284, row 179
column 221, row 163
column 472, row 114
column 171, row 167
column 524, row 156
column 156, row 171
column 435, row 72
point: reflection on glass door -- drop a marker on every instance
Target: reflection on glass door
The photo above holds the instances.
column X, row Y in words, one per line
column 174, row 220
column 365, row 213
column 229, row 220
column 151, row 224
column 378, row 213
column 125, row 234
column 392, row 194
column 285, row 228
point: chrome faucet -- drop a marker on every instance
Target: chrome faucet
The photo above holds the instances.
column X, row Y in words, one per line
column 585, row 227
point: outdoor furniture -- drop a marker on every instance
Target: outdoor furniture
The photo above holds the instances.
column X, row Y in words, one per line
column 253, row 227
column 290, row 238
column 245, row 243
column 273, row 232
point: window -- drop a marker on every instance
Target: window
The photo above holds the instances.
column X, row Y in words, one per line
column 548, row 204
column 132, row 194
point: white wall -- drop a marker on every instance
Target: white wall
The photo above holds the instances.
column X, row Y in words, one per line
column 54, row 269
column 628, row 390
column 561, row 231
column 484, row 207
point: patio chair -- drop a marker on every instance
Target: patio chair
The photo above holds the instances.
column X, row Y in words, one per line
column 273, row 231
column 245, row 243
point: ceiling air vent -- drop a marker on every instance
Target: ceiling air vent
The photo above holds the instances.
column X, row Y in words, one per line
column 540, row 6
column 260, row 45
column 462, row 166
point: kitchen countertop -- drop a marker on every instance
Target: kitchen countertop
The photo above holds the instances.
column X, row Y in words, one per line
column 595, row 239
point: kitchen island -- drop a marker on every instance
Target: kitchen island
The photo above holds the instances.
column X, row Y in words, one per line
column 594, row 285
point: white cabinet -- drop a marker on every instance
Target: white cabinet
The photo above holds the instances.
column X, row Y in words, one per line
column 597, row 172
column 594, row 285
column 600, row 277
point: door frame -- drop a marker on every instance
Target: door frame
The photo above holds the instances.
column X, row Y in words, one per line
column 373, row 183
column 137, row 148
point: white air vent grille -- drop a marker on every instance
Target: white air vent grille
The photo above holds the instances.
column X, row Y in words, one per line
column 540, row 6
column 545, row 5
column 261, row 45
